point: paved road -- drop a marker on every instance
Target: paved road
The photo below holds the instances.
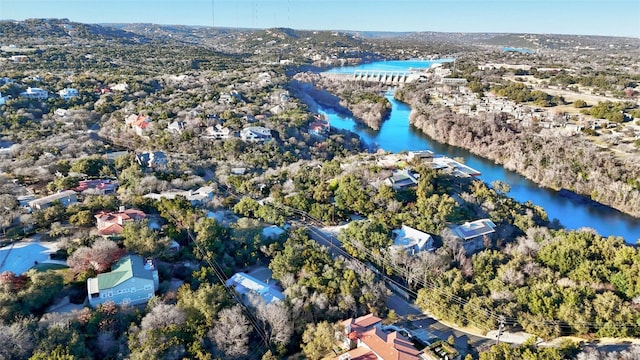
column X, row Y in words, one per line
column 429, row 329
column 420, row 325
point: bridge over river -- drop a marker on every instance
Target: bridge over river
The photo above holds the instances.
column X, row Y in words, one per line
column 386, row 77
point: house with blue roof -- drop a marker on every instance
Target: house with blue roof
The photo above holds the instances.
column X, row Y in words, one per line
column 247, row 287
column 131, row 281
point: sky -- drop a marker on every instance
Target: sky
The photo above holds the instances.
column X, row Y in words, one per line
column 584, row 17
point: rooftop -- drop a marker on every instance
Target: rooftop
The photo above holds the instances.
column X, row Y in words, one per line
column 474, row 229
column 52, row 198
column 409, row 237
column 392, row 346
column 362, row 323
column 246, row 284
column 126, row 268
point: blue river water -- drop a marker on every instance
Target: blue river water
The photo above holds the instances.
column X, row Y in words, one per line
column 396, row 135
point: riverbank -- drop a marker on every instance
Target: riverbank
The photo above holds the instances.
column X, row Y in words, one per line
column 397, row 135
column 554, row 162
column 346, row 98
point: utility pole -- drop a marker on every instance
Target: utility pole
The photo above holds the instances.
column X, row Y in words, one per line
column 500, row 329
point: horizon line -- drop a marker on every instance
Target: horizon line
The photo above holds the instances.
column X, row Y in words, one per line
column 338, row 30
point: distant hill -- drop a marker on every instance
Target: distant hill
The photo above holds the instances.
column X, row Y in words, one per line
column 242, row 41
column 61, row 31
column 532, row 41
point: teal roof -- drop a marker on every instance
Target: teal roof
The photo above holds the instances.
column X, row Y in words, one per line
column 126, row 268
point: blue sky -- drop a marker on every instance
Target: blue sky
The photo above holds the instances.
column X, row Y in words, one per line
column 591, row 17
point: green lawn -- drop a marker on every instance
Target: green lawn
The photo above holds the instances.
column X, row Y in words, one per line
column 44, row 267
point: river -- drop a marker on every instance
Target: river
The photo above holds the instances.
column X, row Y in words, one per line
column 396, row 135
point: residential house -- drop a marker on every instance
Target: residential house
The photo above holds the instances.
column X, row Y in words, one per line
column 249, row 118
column 142, row 124
column 440, row 350
column 231, row 97
column 152, row 160
column 272, row 232
column 402, row 179
column 411, row 240
column 217, row 132
column 97, row 187
column 176, row 127
column 471, row 234
column 455, row 168
column 68, row 93
column 102, row 90
column 66, row 198
column 454, row 81
column 112, row 223
column 238, row 171
column 224, row 99
column 61, row 112
column 35, row 94
column 278, row 109
column 319, row 129
column 280, row 97
column 131, row 281
column 255, row 134
column 264, row 79
column 19, row 58
column 249, row 288
column 3, row 99
column 420, row 155
column 120, row 87
column 365, row 339
column 197, row 198
column 262, row 117
column 24, row 200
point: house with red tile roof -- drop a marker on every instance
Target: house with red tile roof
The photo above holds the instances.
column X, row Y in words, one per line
column 319, row 128
column 367, row 340
column 141, row 124
column 97, row 186
column 112, row 223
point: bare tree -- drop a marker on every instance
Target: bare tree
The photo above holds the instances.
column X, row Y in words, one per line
column 231, row 333
column 8, row 211
column 17, row 340
column 278, row 323
column 162, row 316
column 99, row 257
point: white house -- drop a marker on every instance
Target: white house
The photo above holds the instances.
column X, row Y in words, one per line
column 402, row 179
column 35, row 93
column 66, row 198
column 411, row 240
column 120, row 87
column 68, row 93
column 196, row 197
column 176, row 127
column 61, row 112
column 454, row 81
column 217, row 132
column 255, row 134
column 2, row 99
column 246, row 285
